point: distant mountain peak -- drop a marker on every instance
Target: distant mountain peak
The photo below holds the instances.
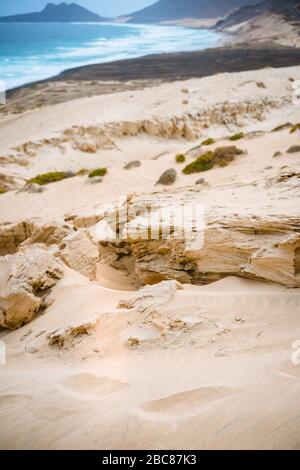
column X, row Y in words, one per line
column 62, row 13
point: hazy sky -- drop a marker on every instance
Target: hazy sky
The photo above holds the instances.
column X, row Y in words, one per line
column 104, row 7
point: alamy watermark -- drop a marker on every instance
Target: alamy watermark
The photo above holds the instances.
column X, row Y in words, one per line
column 2, row 353
column 2, row 93
column 295, row 357
column 143, row 221
column 296, row 92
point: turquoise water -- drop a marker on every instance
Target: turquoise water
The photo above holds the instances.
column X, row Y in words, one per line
column 31, row 52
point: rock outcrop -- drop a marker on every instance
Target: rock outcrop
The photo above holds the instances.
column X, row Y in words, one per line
column 79, row 253
column 26, row 233
column 151, row 298
column 67, row 334
column 25, row 280
column 263, row 247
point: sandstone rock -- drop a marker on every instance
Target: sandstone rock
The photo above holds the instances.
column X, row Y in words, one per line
column 87, row 147
column 64, row 336
column 262, row 247
column 83, row 220
column 25, row 280
column 80, row 253
column 12, row 235
column 26, row 233
column 168, row 177
column 48, row 233
column 151, row 298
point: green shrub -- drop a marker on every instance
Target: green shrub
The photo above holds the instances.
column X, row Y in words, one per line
column 3, row 190
column 208, row 141
column 238, row 136
column 50, row 177
column 98, row 172
column 180, row 158
column 203, row 163
column 295, row 128
column 221, row 156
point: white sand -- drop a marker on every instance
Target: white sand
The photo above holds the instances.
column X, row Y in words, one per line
column 222, row 377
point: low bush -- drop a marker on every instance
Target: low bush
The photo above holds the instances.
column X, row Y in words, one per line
column 238, row 136
column 50, row 177
column 208, row 141
column 180, row 158
column 295, row 128
column 221, row 156
column 98, row 172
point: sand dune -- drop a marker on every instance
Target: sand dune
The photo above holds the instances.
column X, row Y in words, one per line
column 107, row 363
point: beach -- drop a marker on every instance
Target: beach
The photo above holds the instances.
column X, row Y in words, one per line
column 132, row 74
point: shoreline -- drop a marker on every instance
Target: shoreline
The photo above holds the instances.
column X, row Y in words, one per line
column 134, row 74
column 178, row 38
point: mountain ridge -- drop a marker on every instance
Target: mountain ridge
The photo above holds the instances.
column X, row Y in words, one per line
column 169, row 10
column 290, row 10
column 58, row 13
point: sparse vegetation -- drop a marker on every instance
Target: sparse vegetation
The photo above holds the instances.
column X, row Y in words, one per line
column 98, row 172
column 3, row 190
column 238, row 136
column 82, row 172
column 260, row 85
column 208, row 141
column 295, row 128
column 203, row 163
column 180, row 158
column 222, row 156
column 50, row 177
column 282, row 127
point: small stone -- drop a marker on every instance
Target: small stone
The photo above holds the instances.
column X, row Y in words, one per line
column 95, row 180
column 294, row 149
column 133, row 164
column 185, row 102
column 277, row 154
column 201, row 181
column 239, row 319
column 184, row 90
column 168, row 177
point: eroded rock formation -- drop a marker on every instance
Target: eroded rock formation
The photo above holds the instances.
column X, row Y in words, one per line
column 25, row 280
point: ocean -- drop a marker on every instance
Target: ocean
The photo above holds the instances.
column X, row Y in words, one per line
column 31, row 52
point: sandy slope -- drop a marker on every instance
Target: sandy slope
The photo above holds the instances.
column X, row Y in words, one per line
column 223, row 381
column 211, row 366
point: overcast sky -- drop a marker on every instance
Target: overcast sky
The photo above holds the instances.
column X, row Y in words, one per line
column 103, row 7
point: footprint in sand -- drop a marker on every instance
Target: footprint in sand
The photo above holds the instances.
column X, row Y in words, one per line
column 87, row 385
column 186, row 403
column 12, row 401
